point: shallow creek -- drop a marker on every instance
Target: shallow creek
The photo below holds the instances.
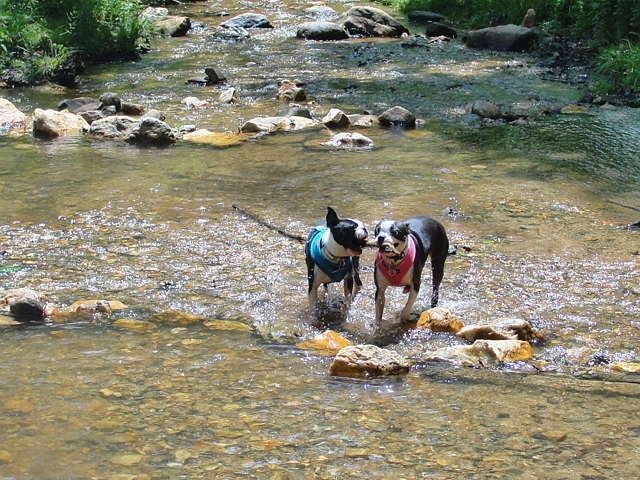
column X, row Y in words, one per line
column 535, row 211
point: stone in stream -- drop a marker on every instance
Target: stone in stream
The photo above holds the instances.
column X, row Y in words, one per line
column 368, row 361
column 54, row 124
column 371, row 22
column 248, row 20
column 397, row 117
column 321, row 30
column 12, row 120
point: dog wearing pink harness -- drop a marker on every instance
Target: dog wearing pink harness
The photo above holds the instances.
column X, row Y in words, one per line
column 403, row 250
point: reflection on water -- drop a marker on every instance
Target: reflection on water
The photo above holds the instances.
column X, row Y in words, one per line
column 535, row 206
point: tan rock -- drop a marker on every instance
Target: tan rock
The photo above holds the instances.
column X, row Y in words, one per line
column 336, row 119
column 440, row 319
column 137, row 326
column 368, row 361
column 12, row 120
column 288, row 91
column 504, row 350
column 19, row 405
column 97, row 305
column 625, row 367
column 127, row 460
column 503, row 329
column 228, row 325
column 217, row 139
column 178, row 318
column 54, row 123
column 5, row 457
column 460, row 355
column 7, row 321
column 529, row 20
column 327, row 343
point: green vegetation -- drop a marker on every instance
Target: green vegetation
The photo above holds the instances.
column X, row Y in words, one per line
column 611, row 27
column 48, row 40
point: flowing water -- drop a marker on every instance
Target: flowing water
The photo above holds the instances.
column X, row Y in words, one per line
column 534, row 210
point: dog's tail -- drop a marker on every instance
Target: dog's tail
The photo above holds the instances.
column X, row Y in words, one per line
column 259, row 221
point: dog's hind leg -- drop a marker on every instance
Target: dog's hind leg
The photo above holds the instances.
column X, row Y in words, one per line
column 438, row 257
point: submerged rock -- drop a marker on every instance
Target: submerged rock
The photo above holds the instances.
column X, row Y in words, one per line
column 371, row 22
column 137, row 326
column 368, row 361
column 217, row 139
column 483, row 353
column 178, row 318
column 349, row 140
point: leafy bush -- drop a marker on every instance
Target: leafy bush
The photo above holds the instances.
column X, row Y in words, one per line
column 618, row 68
column 37, row 37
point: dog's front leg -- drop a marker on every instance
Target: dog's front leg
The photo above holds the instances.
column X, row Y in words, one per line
column 380, row 301
column 406, row 311
column 348, row 289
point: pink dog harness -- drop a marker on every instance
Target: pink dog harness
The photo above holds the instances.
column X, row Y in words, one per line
column 395, row 274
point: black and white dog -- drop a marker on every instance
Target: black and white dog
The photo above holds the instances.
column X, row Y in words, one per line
column 403, row 249
column 332, row 254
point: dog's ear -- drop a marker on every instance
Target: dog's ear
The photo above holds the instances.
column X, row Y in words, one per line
column 332, row 217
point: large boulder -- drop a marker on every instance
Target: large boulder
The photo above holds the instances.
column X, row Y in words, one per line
column 397, row 117
column 113, row 128
column 336, row 119
column 248, row 20
column 321, row 30
column 437, row 29
column 371, row 22
column 55, row 124
column 172, row 26
column 12, row 120
column 165, row 24
column 368, row 361
column 508, row 38
column 152, row 130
